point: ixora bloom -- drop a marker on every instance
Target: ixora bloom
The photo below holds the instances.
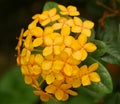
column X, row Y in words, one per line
column 61, row 91
column 63, row 22
column 88, row 74
column 82, row 27
column 51, row 50
column 70, row 10
column 49, row 16
column 82, row 48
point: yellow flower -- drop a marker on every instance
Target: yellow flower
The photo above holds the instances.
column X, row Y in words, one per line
column 32, row 69
column 74, row 81
column 49, row 16
column 70, row 10
column 28, row 42
column 53, row 44
column 63, row 22
column 60, row 90
column 51, row 70
column 67, row 39
column 82, row 47
column 49, row 51
column 29, row 79
column 43, row 95
column 89, row 75
column 37, row 32
column 40, row 35
column 57, row 65
column 25, row 56
column 82, row 27
column 69, row 63
column 37, row 18
column 18, row 47
column 33, row 24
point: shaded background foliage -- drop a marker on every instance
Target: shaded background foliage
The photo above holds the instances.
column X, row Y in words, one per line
column 15, row 15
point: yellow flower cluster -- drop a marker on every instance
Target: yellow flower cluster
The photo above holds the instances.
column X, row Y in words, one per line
column 51, row 50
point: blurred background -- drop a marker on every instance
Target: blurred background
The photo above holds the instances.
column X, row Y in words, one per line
column 16, row 14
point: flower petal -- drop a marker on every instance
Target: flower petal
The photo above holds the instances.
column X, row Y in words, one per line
column 76, row 29
column 50, row 89
column 47, row 51
column 57, row 26
column 37, row 31
column 88, row 24
column 73, row 93
column 84, row 54
column 39, row 59
column 86, row 32
column 48, row 30
column 85, row 80
column 77, row 55
column 28, row 79
column 68, row 40
column 83, row 70
column 65, row 97
column 58, row 40
column 44, row 15
column 24, row 70
column 54, row 18
column 52, row 12
column 94, row 77
column 62, row 8
column 48, row 40
column 37, row 42
column 50, row 78
column 33, row 24
column 59, row 76
column 59, row 94
column 65, row 86
column 76, row 83
column 76, row 13
column 93, row 67
column 57, row 65
column 82, row 39
column 57, row 50
column 65, row 31
column 44, row 97
column 46, row 65
column 78, row 21
column 90, row 47
column 72, row 8
column 36, row 69
column 45, row 22
column 70, row 22
column 68, row 70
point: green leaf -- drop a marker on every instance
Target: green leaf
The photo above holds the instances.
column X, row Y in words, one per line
column 81, row 98
column 53, row 102
column 50, row 5
column 13, row 90
column 111, row 36
column 101, row 48
column 113, row 99
column 113, row 54
column 101, row 88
